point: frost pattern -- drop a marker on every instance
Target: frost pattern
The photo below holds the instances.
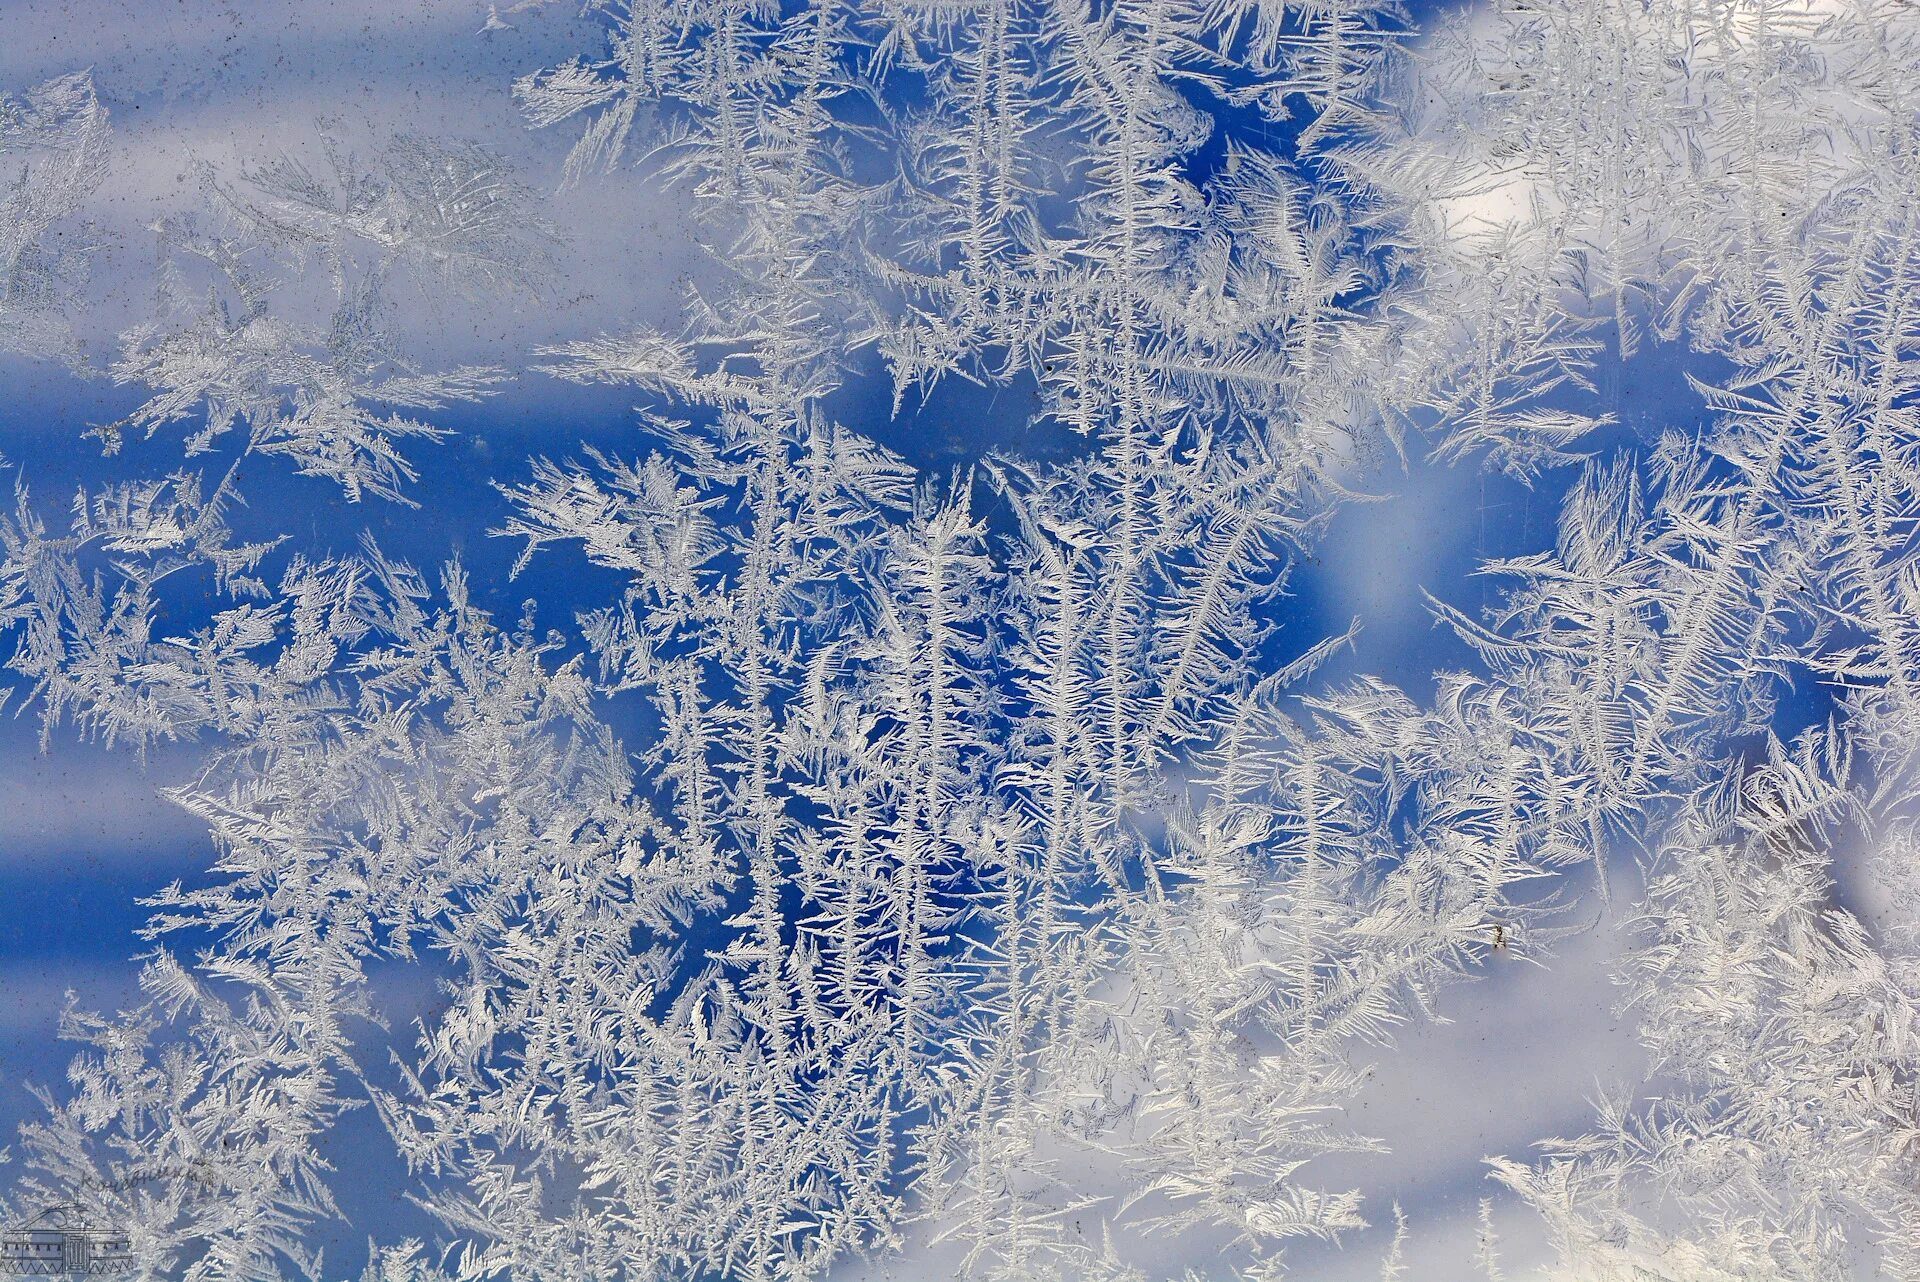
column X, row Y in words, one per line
column 52, row 157
column 990, row 865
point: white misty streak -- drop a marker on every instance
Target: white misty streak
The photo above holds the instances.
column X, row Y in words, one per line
column 189, row 88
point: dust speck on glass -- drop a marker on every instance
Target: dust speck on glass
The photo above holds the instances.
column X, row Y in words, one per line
column 1008, row 640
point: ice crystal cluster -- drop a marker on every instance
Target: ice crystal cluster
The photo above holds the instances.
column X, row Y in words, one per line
column 986, row 864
